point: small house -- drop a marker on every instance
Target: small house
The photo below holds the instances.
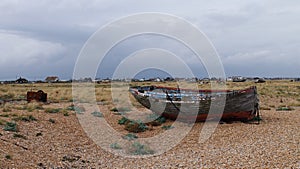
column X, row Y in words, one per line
column 21, row 80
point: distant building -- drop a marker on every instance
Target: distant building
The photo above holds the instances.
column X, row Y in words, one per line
column 51, row 79
column 169, row 79
column 260, row 80
column 238, row 79
column 21, row 80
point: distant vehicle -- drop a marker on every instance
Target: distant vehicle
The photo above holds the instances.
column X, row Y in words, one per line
column 239, row 79
column 260, row 80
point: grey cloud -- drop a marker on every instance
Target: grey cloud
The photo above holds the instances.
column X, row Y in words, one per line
column 240, row 30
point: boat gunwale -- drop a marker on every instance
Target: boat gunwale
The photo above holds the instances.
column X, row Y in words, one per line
column 246, row 90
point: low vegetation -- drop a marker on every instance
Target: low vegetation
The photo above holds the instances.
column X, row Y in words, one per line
column 168, row 127
column 97, row 114
column 134, row 126
column 115, row 146
column 130, row 136
column 10, row 126
column 26, row 118
column 140, row 149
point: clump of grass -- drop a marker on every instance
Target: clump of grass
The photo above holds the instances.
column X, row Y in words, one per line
column 66, row 113
column 52, row 110
column 71, row 107
column 4, row 115
column 6, row 109
column 140, row 149
column 7, row 96
column 30, row 108
column 21, row 108
column 115, row 146
column 134, row 126
column 284, row 109
column 2, row 122
column 3, row 90
column 19, row 136
column 10, row 126
column 39, row 107
column 51, row 120
column 130, row 136
column 97, row 114
column 7, row 156
column 156, row 120
column 256, row 118
column 25, row 118
column 168, row 127
column 79, row 110
column 123, row 120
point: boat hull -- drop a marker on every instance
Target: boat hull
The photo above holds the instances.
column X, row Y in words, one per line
column 234, row 104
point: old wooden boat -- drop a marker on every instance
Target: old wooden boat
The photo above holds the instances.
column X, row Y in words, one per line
column 194, row 105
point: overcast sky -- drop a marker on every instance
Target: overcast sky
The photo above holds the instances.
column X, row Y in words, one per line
column 253, row 38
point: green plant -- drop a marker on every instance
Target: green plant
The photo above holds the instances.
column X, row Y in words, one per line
column 30, row 108
column 123, row 120
column 79, row 110
column 156, row 120
column 4, row 115
column 7, row 96
column 140, row 149
column 52, row 110
column 2, row 122
column 39, row 107
column 7, row 156
column 115, row 146
column 97, row 114
column 283, row 108
column 256, row 118
column 136, row 126
column 6, row 109
column 66, row 114
column 25, row 118
column 10, row 126
column 130, row 136
column 71, row 107
column 167, row 127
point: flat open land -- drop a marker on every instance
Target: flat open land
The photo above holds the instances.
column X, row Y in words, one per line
column 38, row 135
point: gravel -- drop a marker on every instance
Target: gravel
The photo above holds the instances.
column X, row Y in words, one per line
column 274, row 143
